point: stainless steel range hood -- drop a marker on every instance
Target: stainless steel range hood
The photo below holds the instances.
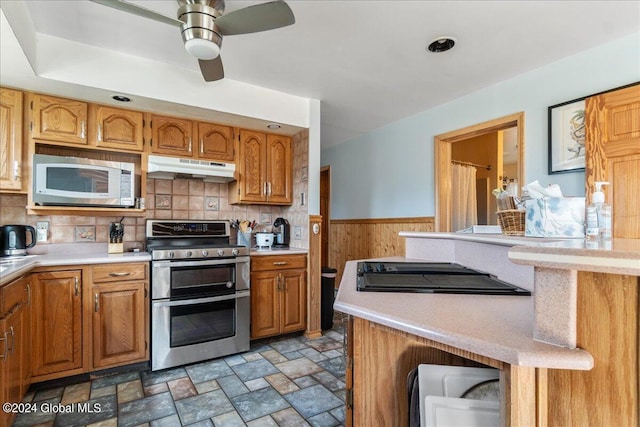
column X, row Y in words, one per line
column 163, row 167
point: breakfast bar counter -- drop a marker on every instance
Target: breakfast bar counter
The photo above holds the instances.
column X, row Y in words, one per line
column 567, row 354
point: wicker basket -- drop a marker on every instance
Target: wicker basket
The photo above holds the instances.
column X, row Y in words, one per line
column 512, row 222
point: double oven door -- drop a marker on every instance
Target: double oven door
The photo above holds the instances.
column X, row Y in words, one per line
column 200, row 310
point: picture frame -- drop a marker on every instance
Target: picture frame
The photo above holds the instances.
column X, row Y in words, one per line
column 567, row 132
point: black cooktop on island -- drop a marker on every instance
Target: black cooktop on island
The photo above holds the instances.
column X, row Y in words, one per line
column 430, row 277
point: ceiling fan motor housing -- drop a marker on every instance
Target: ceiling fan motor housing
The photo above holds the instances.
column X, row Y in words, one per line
column 200, row 33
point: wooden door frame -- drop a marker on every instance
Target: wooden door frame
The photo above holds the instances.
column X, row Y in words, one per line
column 442, row 146
column 326, row 225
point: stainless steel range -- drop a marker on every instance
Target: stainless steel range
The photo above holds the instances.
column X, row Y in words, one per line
column 199, row 292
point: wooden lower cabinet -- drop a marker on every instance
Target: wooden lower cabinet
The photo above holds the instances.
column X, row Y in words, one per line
column 278, row 295
column 57, row 324
column 91, row 318
column 120, row 316
column 15, row 344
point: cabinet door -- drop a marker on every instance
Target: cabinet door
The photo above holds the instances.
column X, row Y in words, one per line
column 265, row 315
column 215, row 142
column 252, row 166
column 116, row 128
column 172, row 136
column 10, row 139
column 12, row 356
column 59, row 119
column 57, row 322
column 293, row 293
column 279, row 169
column 119, row 323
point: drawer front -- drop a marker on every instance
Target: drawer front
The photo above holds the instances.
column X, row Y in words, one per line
column 119, row 272
column 277, row 262
column 11, row 295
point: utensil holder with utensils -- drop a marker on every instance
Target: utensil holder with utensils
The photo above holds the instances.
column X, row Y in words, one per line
column 116, row 233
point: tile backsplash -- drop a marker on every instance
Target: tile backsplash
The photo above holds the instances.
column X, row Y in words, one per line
column 187, row 199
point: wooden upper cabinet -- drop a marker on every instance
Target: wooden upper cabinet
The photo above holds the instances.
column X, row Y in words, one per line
column 215, row 142
column 10, row 139
column 116, row 128
column 58, row 119
column 172, row 136
column 613, row 154
column 279, row 169
column 265, row 170
column 251, row 167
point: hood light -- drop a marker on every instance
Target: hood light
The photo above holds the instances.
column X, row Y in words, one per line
column 273, row 126
column 121, row 98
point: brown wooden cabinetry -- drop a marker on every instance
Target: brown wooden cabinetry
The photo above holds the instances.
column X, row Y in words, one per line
column 120, row 314
column 171, row 135
column 116, row 128
column 58, row 119
column 215, row 142
column 264, row 166
column 278, row 295
column 57, row 324
column 11, row 167
column 15, row 343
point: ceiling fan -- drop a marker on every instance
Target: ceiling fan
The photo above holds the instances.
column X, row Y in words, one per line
column 203, row 25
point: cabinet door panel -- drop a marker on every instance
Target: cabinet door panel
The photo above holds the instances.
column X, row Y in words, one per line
column 117, row 128
column 59, row 119
column 119, row 324
column 10, row 139
column 57, row 322
column 172, row 136
column 279, row 169
column 265, row 316
column 294, row 301
column 215, row 142
column 252, row 166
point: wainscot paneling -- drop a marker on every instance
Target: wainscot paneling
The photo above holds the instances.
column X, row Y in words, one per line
column 352, row 239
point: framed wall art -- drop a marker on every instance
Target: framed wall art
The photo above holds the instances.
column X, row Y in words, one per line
column 567, row 136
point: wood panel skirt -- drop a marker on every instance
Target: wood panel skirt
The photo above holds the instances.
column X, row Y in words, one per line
column 352, row 239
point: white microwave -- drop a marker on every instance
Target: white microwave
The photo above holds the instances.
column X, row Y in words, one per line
column 73, row 181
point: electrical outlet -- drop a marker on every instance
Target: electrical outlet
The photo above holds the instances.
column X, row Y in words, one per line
column 42, row 231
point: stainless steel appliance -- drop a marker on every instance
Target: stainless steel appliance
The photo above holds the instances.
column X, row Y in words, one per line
column 283, row 233
column 430, row 277
column 74, row 181
column 13, row 239
column 199, row 292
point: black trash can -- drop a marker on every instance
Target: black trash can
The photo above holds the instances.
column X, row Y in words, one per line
column 327, row 296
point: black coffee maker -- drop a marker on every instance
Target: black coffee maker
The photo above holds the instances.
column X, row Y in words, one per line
column 282, row 232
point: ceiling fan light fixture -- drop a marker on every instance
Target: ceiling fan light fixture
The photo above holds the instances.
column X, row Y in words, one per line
column 441, row 44
column 202, row 48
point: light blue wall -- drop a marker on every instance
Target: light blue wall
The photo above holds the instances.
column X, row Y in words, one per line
column 388, row 173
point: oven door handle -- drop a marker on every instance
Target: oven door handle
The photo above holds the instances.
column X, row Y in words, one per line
column 199, row 263
column 240, row 294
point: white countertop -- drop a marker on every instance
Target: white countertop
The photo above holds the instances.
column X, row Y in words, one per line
column 65, row 254
column 278, row 251
column 499, row 327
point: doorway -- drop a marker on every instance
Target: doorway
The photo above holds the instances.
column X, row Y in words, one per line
column 325, row 200
column 443, row 145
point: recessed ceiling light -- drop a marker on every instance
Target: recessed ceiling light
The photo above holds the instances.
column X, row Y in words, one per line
column 441, row 44
column 273, row 126
column 121, row 98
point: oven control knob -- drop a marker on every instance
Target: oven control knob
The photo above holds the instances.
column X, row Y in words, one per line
column 205, row 253
column 170, row 254
column 220, row 252
column 235, row 252
column 188, row 254
column 229, row 285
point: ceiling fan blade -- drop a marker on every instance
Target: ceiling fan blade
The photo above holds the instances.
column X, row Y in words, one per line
column 211, row 69
column 259, row 17
column 138, row 10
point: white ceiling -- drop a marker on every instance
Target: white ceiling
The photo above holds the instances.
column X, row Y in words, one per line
column 365, row 60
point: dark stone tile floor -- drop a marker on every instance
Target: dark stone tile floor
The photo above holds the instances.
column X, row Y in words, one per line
column 285, row 381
